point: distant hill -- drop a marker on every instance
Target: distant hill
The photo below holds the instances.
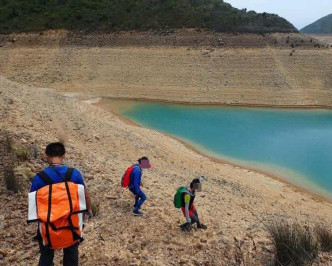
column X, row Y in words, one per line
column 115, row 15
column 321, row 26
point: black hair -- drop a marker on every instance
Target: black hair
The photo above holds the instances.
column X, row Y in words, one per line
column 55, row 149
column 143, row 158
column 195, row 181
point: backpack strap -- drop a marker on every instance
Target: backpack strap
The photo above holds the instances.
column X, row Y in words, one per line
column 69, row 174
column 49, row 216
column 135, row 166
column 47, row 180
column 71, row 226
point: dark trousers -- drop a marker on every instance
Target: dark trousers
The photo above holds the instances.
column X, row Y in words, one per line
column 192, row 214
column 194, row 218
column 70, row 255
column 139, row 199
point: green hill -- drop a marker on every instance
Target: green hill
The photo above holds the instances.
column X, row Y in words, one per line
column 321, row 26
column 115, row 15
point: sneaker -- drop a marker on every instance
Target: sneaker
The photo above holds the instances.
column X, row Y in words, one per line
column 186, row 227
column 137, row 213
column 202, row 226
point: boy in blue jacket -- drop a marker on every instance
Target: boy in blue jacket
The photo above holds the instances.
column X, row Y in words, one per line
column 135, row 184
column 55, row 154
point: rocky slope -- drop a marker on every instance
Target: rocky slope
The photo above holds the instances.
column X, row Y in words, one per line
column 165, row 37
column 236, row 204
column 196, row 67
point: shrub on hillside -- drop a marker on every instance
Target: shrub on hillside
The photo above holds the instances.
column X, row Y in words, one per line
column 10, row 178
column 324, row 237
column 95, row 208
column 22, row 153
column 8, row 142
column 34, row 151
column 293, row 243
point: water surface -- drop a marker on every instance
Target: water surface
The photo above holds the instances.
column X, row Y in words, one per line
column 294, row 144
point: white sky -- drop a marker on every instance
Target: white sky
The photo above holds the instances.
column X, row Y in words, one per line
column 299, row 12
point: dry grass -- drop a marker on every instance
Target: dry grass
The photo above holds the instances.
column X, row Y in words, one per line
column 22, row 153
column 294, row 244
column 242, row 256
column 323, row 38
column 324, row 237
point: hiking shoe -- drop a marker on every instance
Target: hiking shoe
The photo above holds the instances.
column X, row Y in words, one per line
column 186, row 227
column 202, row 226
column 137, row 213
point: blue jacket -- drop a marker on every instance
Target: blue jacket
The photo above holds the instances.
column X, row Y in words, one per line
column 135, row 179
column 57, row 174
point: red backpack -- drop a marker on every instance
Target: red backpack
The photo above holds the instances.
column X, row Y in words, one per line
column 125, row 181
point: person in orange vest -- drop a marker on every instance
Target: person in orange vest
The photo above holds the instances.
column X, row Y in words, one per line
column 57, row 172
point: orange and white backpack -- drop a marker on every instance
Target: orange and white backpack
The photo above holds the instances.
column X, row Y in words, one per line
column 59, row 210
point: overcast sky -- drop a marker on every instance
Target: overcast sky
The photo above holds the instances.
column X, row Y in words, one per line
column 299, row 12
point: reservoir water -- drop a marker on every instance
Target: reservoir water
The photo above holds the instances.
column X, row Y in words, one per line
column 293, row 144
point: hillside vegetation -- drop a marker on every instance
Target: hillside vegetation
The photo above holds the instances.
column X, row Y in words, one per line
column 114, row 15
column 321, row 26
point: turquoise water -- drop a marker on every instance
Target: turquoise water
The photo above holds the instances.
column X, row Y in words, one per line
column 294, row 144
